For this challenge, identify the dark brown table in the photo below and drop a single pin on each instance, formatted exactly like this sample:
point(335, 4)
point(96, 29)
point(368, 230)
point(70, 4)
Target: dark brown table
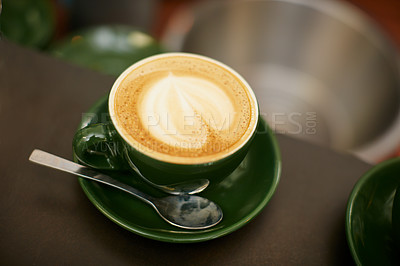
point(45, 218)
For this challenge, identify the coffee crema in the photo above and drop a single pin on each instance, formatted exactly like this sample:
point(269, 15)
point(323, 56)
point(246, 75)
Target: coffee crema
point(183, 108)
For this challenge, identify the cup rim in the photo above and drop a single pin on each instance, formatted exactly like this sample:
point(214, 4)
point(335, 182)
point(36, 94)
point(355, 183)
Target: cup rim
point(169, 158)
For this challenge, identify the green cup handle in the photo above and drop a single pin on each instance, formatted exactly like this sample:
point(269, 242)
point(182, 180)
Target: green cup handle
point(99, 146)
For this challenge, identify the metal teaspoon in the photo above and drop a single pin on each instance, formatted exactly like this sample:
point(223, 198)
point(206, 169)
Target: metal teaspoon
point(184, 211)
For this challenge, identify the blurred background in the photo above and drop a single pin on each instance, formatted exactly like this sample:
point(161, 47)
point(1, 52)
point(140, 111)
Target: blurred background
point(323, 71)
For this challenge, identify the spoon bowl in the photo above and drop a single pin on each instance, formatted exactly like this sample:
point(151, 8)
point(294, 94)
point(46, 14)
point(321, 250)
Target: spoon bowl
point(184, 211)
point(188, 211)
point(190, 187)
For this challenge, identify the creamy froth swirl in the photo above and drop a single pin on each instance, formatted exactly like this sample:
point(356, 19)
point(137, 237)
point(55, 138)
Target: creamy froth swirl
point(183, 109)
point(178, 110)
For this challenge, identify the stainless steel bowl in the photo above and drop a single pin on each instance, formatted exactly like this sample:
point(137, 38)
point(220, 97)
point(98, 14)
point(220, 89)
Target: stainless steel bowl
point(321, 70)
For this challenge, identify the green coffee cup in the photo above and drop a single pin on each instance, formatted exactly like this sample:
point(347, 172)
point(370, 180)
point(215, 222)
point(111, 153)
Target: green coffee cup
point(208, 142)
point(396, 217)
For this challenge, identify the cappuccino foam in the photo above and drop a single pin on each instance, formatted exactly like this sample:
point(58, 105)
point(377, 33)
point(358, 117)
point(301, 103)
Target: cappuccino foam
point(184, 109)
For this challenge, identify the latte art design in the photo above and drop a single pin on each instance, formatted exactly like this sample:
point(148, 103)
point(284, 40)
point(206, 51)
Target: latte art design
point(183, 109)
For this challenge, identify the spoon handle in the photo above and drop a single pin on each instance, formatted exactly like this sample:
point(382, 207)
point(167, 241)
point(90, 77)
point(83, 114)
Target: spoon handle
point(53, 161)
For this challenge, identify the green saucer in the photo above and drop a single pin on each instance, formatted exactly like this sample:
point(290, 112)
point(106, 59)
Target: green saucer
point(369, 216)
point(242, 195)
point(109, 49)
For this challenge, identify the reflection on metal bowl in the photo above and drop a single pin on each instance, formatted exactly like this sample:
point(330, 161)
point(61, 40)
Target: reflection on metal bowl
point(321, 70)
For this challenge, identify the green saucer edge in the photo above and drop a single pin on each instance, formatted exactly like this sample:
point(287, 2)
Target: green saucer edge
point(194, 238)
